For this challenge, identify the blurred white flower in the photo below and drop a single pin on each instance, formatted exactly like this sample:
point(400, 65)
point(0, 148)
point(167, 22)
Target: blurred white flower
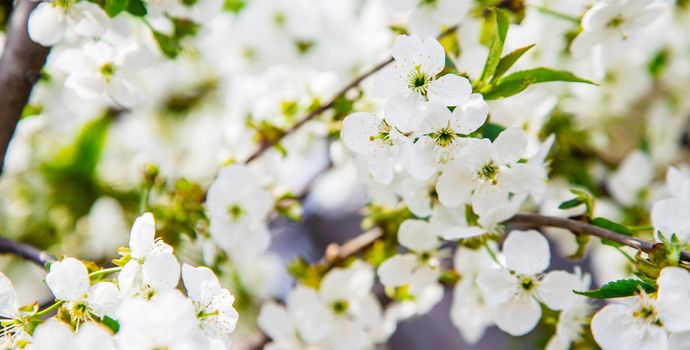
point(51, 21)
point(238, 208)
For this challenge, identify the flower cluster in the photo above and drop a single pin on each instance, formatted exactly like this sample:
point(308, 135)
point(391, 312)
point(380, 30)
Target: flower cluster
point(140, 309)
point(491, 130)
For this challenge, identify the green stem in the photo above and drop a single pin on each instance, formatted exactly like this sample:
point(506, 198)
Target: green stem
point(491, 253)
point(556, 14)
point(105, 271)
point(49, 309)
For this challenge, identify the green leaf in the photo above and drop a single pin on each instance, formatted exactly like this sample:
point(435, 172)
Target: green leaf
point(114, 7)
point(619, 289)
point(136, 8)
point(491, 131)
point(80, 158)
point(572, 203)
point(658, 63)
point(610, 225)
point(497, 28)
point(171, 45)
point(111, 323)
point(519, 81)
point(509, 60)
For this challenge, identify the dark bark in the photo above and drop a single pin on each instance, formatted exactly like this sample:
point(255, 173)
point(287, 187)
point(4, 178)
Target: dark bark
point(20, 69)
point(25, 251)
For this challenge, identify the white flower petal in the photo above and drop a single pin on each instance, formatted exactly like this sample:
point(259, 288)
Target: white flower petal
point(358, 128)
point(454, 186)
point(275, 321)
point(673, 299)
point(407, 50)
point(450, 90)
point(161, 272)
point(498, 285)
point(614, 328)
point(510, 145)
point(8, 298)
point(103, 298)
point(68, 279)
point(433, 57)
point(556, 289)
point(518, 316)
point(472, 114)
point(197, 280)
point(417, 236)
point(47, 24)
point(526, 252)
point(142, 236)
point(314, 321)
point(397, 270)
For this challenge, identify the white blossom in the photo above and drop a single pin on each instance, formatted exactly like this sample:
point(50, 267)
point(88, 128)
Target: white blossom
point(418, 268)
point(516, 291)
point(413, 79)
point(51, 21)
point(238, 207)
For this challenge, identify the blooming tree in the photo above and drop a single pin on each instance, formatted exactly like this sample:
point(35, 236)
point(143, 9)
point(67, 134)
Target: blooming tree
point(526, 159)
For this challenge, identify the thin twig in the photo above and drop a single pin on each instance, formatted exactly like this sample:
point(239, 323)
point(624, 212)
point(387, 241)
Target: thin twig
point(20, 69)
point(580, 227)
point(328, 105)
point(25, 251)
point(336, 253)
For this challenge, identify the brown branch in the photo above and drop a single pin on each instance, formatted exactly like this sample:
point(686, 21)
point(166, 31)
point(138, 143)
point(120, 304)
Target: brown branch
point(322, 108)
point(580, 227)
point(20, 69)
point(336, 253)
point(25, 251)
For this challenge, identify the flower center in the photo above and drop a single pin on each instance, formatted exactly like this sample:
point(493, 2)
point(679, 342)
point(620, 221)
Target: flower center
point(279, 19)
point(78, 311)
point(444, 137)
point(429, 3)
point(615, 22)
point(527, 283)
point(384, 134)
point(303, 46)
point(489, 172)
point(340, 306)
point(65, 4)
point(236, 212)
point(107, 70)
point(648, 314)
point(418, 81)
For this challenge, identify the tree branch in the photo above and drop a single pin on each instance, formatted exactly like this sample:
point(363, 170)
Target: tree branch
point(580, 227)
point(328, 105)
point(25, 251)
point(20, 69)
point(336, 253)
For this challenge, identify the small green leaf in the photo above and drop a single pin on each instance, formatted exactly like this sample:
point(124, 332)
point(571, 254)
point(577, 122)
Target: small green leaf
point(491, 131)
point(171, 45)
point(114, 7)
point(519, 81)
point(572, 203)
point(136, 8)
point(111, 323)
point(619, 289)
point(497, 28)
point(610, 225)
point(509, 60)
point(658, 63)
